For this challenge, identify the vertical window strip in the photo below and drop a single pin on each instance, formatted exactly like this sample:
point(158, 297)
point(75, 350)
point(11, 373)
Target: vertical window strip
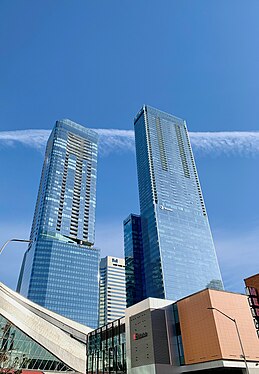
point(82, 149)
point(196, 175)
point(62, 194)
point(161, 144)
point(182, 151)
point(153, 181)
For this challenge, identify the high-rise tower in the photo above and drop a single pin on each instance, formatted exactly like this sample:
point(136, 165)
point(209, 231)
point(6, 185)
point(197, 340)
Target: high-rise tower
point(112, 289)
point(60, 268)
point(178, 249)
point(134, 266)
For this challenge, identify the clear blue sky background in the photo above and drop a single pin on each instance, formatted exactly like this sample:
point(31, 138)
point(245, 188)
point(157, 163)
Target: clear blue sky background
point(97, 62)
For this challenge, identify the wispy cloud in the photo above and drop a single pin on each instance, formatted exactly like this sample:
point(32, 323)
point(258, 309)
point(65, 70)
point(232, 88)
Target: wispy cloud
point(234, 142)
point(32, 138)
point(113, 140)
point(110, 140)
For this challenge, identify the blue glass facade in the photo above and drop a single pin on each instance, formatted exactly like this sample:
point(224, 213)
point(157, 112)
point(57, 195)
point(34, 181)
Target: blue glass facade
point(133, 251)
point(61, 267)
point(179, 253)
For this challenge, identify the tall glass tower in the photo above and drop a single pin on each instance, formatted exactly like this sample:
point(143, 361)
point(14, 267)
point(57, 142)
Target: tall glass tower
point(178, 249)
point(134, 266)
point(60, 268)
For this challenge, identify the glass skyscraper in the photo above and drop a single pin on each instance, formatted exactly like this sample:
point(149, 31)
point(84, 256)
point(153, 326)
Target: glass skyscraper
point(60, 268)
point(134, 266)
point(178, 249)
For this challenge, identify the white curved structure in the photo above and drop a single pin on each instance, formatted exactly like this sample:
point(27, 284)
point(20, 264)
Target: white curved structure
point(52, 333)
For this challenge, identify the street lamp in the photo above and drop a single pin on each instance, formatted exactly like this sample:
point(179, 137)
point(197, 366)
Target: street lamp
point(238, 334)
point(14, 240)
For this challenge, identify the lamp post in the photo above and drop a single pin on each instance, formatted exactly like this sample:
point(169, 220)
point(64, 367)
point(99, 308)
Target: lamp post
point(14, 240)
point(238, 334)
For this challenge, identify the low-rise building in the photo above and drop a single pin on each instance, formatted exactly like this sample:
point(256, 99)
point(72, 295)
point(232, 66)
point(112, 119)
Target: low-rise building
point(198, 333)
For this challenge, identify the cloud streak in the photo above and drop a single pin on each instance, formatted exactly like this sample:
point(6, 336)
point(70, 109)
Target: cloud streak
point(113, 140)
point(234, 142)
point(32, 138)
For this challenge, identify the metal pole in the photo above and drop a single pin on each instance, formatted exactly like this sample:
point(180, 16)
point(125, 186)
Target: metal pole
point(14, 240)
point(238, 334)
point(241, 345)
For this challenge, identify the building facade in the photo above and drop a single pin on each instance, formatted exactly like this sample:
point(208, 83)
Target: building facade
point(134, 261)
point(106, 349)
point(163, 337)
point(61, 266)
point(252, 290)
point(112, 302)
point(178, 249)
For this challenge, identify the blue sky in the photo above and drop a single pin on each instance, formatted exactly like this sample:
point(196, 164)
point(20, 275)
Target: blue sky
point(97, 62)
